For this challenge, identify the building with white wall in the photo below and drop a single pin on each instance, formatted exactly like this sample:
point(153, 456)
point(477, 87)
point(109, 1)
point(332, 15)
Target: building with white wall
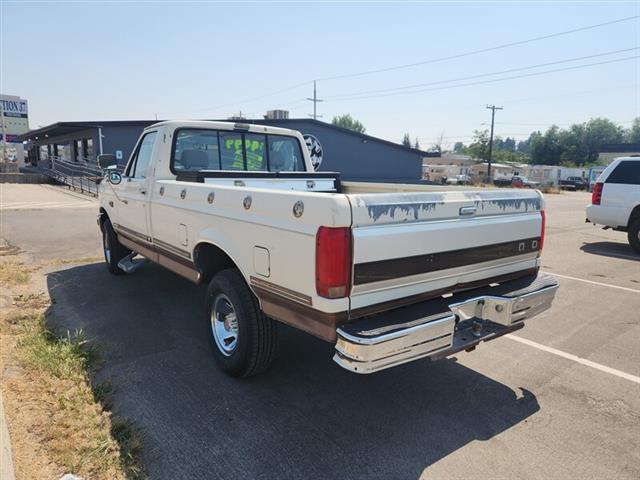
point(14, 121)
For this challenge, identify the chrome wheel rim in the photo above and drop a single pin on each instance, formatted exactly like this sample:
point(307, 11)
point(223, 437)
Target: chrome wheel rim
point(106, 246)
point(224, 325)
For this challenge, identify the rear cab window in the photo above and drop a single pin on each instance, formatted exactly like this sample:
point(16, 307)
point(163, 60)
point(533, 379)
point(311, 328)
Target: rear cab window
point(222, 150)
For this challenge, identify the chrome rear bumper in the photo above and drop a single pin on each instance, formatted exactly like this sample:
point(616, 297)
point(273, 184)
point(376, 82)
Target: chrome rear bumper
point(441, 327)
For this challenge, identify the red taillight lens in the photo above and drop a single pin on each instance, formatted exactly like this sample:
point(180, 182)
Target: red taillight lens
point(596, 194)
point(333, 262)
point(542, 228)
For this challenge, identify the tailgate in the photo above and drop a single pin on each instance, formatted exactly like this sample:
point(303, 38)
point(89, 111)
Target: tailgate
point(412, 244)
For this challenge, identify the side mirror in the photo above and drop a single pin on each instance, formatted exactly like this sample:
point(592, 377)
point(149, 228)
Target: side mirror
point(106, 160)
point(114, 177)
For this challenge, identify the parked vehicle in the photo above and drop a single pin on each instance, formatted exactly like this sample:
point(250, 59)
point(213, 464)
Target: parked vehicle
point(361, 265)
point(459, 180)
point(517, 181)
point(574, 183)
point(615, 199)
point(523, 182)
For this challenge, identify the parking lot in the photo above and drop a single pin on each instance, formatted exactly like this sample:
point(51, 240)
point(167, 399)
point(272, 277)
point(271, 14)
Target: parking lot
point(559, 399)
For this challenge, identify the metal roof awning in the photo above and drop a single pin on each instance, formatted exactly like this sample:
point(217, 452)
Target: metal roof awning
point(55, 130)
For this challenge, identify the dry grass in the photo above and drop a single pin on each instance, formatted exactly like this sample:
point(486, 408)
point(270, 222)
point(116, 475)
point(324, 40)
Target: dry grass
point(58, 416)
point(14, 273)
point(550, 189)
point(69, 261)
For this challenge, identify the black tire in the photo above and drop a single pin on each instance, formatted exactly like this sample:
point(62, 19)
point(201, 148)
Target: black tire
point(633, 234)
point(256, 335)
point(113, 250)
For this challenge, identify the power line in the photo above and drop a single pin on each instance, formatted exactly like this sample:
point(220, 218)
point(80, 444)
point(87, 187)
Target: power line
point(575, 67)
point(482, 50)
point(397, 67)
point(218, 107)
point(500, 72)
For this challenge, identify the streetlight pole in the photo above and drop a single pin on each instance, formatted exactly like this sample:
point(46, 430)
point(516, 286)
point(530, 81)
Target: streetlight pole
point(493, 109)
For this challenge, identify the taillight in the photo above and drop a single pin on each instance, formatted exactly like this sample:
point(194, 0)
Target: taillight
point(333, 262)
point(542, 228)
point(596, 194)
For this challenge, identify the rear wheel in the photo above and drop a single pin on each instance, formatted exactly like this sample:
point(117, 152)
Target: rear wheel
point(243, 339)
point(113, 250)
point(633, 234)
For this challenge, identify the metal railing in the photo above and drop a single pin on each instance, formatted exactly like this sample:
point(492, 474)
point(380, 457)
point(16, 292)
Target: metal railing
point(83, 175)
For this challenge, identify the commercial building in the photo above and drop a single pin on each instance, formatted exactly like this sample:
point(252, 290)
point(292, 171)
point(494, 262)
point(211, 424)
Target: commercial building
point(358, 157)
point(14, 121)
point(608, 153)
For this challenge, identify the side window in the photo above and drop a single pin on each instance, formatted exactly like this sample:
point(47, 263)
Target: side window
point(139, 163)
point(627, 172)
point(231, 151)
point(285, 154)
point(196, 150)
point(256, 151)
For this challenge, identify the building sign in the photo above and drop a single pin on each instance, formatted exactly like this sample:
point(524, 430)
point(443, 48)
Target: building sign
point(315, 150)
point(14, 107)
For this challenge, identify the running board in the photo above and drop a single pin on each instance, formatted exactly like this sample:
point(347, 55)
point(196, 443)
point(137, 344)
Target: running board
point(129, 265)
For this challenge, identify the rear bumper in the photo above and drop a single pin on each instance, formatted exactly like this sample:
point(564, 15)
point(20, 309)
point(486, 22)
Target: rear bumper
point(441, 327)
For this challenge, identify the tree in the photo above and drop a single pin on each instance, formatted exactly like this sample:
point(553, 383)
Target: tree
point(458, 147)
point(437, 145)
point(546, 148)
point(416, 145)
point(346, 121)
point(632, 135)
point(406, 140)
point(479, 148)
point(509, 144)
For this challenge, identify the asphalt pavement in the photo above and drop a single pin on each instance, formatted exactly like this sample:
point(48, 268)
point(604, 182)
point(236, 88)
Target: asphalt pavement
point(561, 400)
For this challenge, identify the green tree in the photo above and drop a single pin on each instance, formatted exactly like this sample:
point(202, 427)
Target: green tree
point(458, 147)
point(406, 140)
point(509, 144)
point(479, 147)
point(632, 135)
point(416, 145)
point(546, 148)
point(346, 121)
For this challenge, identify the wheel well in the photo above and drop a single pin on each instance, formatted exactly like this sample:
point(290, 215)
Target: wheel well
point(635, 213)
point(210, 259)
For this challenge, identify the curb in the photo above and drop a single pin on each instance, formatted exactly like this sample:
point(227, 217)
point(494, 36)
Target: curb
point(6, 463)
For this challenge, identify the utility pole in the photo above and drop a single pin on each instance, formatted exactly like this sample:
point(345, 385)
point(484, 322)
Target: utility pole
point(315, 101)
point(4, 133)
point(493, 109)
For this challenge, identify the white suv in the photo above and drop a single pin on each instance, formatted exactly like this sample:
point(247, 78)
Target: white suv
point(615, 201)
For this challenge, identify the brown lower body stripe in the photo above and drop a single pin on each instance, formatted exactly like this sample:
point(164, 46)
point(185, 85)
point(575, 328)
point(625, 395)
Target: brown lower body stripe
point(178, 264)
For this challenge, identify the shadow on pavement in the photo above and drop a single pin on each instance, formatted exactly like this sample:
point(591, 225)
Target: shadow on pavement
point(611, 249)
point(305, 418)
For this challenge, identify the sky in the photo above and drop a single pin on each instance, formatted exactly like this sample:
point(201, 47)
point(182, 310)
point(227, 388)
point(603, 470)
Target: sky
point(81, 61)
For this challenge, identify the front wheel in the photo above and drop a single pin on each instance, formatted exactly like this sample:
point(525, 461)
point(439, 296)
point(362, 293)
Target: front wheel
point(633, 234)
point(243, 339)
point(113, 250)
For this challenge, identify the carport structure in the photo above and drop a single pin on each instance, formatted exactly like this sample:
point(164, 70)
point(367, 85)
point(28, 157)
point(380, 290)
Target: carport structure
point(81, 142)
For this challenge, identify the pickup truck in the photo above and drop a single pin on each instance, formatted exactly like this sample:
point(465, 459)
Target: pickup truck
point(389, 273)
point(615, 199)
point(573, 183)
